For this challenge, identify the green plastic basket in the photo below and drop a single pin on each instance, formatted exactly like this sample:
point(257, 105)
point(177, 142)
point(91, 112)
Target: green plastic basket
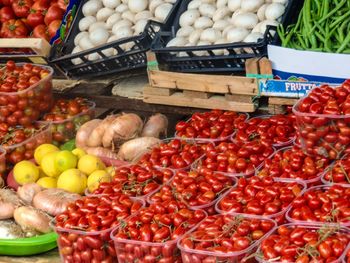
point(28, 246)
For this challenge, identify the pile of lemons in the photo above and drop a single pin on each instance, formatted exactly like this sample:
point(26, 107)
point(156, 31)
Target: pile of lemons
point(73, 171)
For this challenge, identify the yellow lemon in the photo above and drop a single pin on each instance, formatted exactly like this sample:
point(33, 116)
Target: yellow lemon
point(48, 165)
point(72, 180)
point(111, 170)
point(65, 160)
point(79, 152)
point(47, 182)
point(42, 150)
point(96, 178)
point(25, 172)
point(89, 163)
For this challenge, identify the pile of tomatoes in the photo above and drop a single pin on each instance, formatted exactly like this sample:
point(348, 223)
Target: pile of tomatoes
point(84, 228)
point(215, 124)
point(66, 117)
point(195, 189)
point(135, 180)
point(322, 204)
point(151, 235)
point(278, 130)
point(302, 243)
point(25, 93)
point(338, 172)
point(293, 163)
point(175, 154)
point(20, 142)
point(260, 196)
point(220, 234)
point(322, 121)
point(31, 18)
point(235, 158)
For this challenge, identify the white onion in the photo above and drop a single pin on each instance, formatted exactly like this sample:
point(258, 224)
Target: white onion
point(99, 36)
point(86, 22)
point(246, 20)
point(91, 7)
point(274, 11)
point(120, 24)
point(104, 13)
point(111, 3)
point(237, 34)
point(80, 36)
point(112, 20)
point(136, 6)
point(162, 11)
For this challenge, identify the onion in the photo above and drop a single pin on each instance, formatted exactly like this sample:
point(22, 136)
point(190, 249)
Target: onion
point(31, 219)
point(54, 201)
point(132, 149)
point(8, 203)
point(101, 152)
point(156, 125)
point(91, 7)
point(28, 191)
point(84, 132)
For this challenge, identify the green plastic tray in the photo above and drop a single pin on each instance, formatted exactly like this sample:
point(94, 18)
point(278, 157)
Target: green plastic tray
point(28, 246)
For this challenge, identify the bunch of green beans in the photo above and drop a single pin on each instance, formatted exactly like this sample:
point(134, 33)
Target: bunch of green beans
point(323, 25)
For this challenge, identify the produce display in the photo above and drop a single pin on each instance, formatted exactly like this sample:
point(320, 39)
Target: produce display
point(304, 243)
point(321, 204)
point(214, 125)
point(338, 172)
point(31, 18)
point(84, 229)
point(118, 136)
point(134, 180)
point(292, 163)
point(234, 158)
point(66, 117)
point(152, 233)
point(223, 22)
point(175, 154)
point(321, 26)
point(260, 196)
point(20, 143)
point(322, 122)
point(195, 189)
point(224, 238)
point(277, 129)
point(25, 93)
point(111, 20)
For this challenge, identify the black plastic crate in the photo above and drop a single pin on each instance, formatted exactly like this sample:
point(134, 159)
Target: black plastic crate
point(134, 58)
point(233, 61)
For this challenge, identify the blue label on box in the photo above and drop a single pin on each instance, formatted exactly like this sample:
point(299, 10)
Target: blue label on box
point(286, 88)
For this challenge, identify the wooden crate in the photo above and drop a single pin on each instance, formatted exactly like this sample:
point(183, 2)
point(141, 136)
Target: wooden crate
point(206, 91)
point(40, 49)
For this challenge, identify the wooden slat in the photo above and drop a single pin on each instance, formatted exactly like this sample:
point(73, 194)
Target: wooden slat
point(265, 67)
point(282, 101)
point(239, 98)
point(148, 90)
point(203, 82)
point(217, 101)
point(196, 94)
point(252, 66)
point(40, 46)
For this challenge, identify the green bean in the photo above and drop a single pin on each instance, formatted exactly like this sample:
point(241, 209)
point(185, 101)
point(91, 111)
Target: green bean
point(344, 44)
point(338, 6)
point(340, 19)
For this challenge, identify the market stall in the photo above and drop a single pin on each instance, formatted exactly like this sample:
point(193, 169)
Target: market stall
point(158, 131)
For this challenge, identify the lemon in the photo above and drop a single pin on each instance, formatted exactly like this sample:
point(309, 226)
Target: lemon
point(111, 170)
point(89, 163)
point(25, 172)
point(79, 152)
point(72, 180)
point(41, 173)
point(96, 178)
point(42, 150)
point(65, 160)
point(47, 182)
point(48, 165)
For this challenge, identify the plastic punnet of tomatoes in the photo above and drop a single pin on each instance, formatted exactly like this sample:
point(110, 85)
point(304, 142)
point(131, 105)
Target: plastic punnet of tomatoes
point(234, 158)
point(152, 234)
point(211, 126)
point(20, 143)
point(224, 238)
point(25, 93)
point(267, 196)
point(338, 172)
point(175, 154)
point(196, 190)
point(293, 164)
point(322, 204)
point(67, 116)
point(304, 243)
point(323, 121)
point(135, 180)
point(278, 130)
point(84, 228)
point(346, 258)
